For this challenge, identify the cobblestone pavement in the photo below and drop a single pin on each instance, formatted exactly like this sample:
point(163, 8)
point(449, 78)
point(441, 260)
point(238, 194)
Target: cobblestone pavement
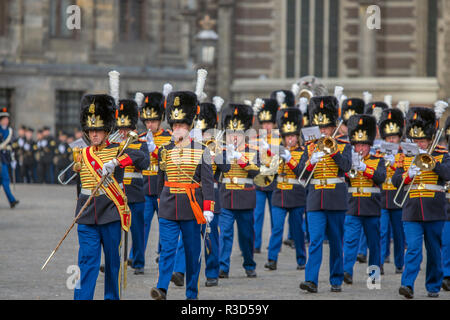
point(31, 231)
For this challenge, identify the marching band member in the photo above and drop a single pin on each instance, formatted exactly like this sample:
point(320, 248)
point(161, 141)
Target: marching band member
point(326, 200)
point(288, 196)
point(237, 191)
point(349, 107)
point(127, 116)
point(424, 210)
point(186, 194)
point(364, 205)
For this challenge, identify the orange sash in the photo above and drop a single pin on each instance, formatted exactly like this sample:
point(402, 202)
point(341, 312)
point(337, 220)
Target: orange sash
point(190, 191)
point(112, 190)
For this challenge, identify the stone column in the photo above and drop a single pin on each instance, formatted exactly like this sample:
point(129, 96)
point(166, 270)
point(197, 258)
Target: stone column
point(367, 43)
point(225, 48)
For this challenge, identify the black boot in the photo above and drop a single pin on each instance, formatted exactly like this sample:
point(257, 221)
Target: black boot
point(446, 284)
point(250, 273)
point(14, 203)
point(178, 279)
point(309, 286)
point(406, 291)
point(271, 265)
point(158, 294)
point(212, 282)
point(348, 279)
point(223, 274)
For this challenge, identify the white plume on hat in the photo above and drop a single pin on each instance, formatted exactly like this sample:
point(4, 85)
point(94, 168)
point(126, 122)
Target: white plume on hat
point(218, 103)
point(367, 97)
point(201, 79)
point(303, 105)
point(403, 106)
point(138, 98)
point(377, 113)
point(114, 80)
point(338, 92)
point(343, 98)
point(257, 105)
point(167, 89)
point(281, 96)
point(248, 102)
point(439, 108)
point(388, 100)
point(295, 89)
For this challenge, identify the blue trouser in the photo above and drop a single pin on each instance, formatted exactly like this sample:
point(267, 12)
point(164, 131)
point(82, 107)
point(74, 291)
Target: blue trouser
point(5, 183)
point(393, 218)
point(137, 251)
point(91, 238)
point(276, 238)
point(259, 212)
point(244, 220)
point(211, 252)
point(362, 247)
point(331, 224)
point(415, 234)
point(151, 206)
point(446, 249)
point(371, 228)
point(169, 232)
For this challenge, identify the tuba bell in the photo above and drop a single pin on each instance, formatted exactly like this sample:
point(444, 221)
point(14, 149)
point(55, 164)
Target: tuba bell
point(305, 93)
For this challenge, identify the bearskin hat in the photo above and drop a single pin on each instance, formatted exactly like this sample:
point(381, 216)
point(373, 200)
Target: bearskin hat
point(285, 98)
point(351, 107)
point(152, 106)
point(268, 111)
point(391, 123)
point(97, 112)
point(237, 117)
point(362, 128)
point(289, 121)
point(127, 114)
point(323, 111)
point(421, 123)
point(182, 107)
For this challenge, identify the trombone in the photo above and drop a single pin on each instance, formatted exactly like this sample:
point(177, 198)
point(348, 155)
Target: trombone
point(114, 138)
point(425, 162)
point(327, 145)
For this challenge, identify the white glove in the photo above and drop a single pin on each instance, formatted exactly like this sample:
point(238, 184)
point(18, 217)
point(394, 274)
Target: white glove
point(27, 147)
point(13, 165)
point(232, 153)
point(209, 216)
point(108, 167)
point(390, 158)
point(413, 171)
point(264, 144)
point(44, 143)
point(286, 155)
point(150, 142)
point(355, 158)
point(361, 166)
point(316, 156)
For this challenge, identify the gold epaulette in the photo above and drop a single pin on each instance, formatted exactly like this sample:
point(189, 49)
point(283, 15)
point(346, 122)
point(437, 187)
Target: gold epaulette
point(441, 149)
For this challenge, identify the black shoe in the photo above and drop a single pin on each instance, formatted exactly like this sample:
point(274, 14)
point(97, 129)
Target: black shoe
point(387, 260)
point(348, 279)
point(139, 271)
point(406, 291)
point(257, 250)
point(335, 288)
point(178, 279)
point(361, 258)
point(250, 273)
point(157, 259)
point(308, 286)
point(271, 265)
point(398, 270)
point(14, 203)
point(212, 282)
point(289, 243)
point(130, 262)
point(223, 274)
point(433, 294)
point(382, 270)
point(446, 284)
point(301, 266)
point(158, 294)
point(102, 268)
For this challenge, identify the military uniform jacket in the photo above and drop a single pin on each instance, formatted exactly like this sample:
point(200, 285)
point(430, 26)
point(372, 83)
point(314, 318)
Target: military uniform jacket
point(423, 203)
point(47, 149)
point(447, 196)
point(237, 191)
point(6, 137)
point(102, 210)
point(29, 152)
point(133, 183)
point(150, 174)
point(275, 142)
point(289, 193)
point(62, 155)
point(219, 166)
point(363, 202)
point(184, 166)
point(388, 189)
point(324, 196)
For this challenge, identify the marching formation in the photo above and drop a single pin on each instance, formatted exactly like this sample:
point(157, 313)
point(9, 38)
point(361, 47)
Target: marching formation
point(350, 172)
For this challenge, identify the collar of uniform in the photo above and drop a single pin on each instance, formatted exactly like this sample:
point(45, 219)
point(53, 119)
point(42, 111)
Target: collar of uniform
point(102, 146)
point(159, 132)
point(183, 144)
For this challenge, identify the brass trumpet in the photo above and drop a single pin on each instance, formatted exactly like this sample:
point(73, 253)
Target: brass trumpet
point(353, 172)
point(425, 162)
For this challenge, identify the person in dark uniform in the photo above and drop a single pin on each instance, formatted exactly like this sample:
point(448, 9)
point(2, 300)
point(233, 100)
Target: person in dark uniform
point(327, 194)
point(152, 114)
point(289, 195)
point(266, 115)
point(237, 191)
point(349, 107)
point(63, 153)
point(186, 194)
point(391, 128)
point(6, 137)
point(207, 121)
point(424, 210)
point(365, 200)
point(446, 231)
point(108, 212)
point(46, 167)
point(29, 161)
point(127, 117)
point(17, 149)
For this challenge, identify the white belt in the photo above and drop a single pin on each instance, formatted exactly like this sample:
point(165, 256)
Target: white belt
point(100, 191)
point(363, 190)
point(133, 175)
point(236, 180)
point(328, 181)
point(287, 180)
point(426, 187)
point(216, 185)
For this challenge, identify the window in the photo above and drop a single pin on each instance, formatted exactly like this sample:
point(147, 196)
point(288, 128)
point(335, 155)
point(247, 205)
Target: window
point(312, 38)
point(3, 18)
point(58, 19)
point(68, 110)
point(132, 22)
point(432, 38)
point(6, 95)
